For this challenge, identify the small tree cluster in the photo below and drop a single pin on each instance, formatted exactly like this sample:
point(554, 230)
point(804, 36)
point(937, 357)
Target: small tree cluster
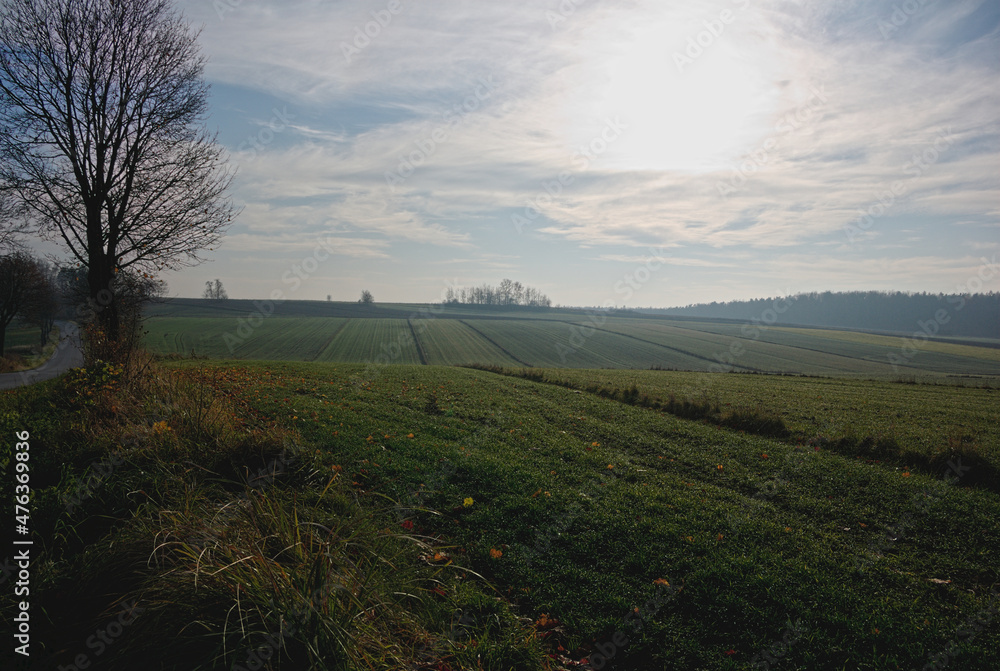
point(214, 291)
point(28, 292)
point(507, 293)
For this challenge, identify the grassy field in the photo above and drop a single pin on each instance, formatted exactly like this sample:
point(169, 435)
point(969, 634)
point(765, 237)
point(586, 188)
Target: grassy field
point(448, 335)
point(22, 350)
point(21, 337)
point(604, 534)
point(584, 509)
point(876, 420)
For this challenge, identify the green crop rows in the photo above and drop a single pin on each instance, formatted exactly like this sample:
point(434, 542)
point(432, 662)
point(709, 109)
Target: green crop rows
point(458, 336)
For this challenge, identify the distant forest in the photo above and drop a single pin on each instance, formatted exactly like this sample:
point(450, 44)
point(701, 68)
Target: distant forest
point(975, 315)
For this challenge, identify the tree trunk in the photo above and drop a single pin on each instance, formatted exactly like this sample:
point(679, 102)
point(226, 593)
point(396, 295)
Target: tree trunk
point(46, 329)
point(104, 301)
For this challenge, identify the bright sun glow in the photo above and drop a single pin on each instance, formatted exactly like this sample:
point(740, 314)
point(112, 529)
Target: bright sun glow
point(699, 119)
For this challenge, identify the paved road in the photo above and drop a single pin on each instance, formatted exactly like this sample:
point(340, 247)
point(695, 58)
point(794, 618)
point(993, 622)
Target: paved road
point(68, 354)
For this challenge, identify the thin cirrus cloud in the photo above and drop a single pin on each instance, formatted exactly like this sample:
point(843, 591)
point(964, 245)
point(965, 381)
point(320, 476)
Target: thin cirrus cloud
point(611, 128)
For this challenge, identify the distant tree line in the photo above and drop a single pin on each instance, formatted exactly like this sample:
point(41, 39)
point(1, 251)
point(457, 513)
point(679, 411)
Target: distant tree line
point(507, 293)
point(970, 315)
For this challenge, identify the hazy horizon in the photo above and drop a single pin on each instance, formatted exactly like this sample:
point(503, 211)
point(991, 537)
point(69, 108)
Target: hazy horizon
point(603, 152)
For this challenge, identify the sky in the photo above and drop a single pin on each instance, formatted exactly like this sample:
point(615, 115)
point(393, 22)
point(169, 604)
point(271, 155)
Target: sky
point(629, 152)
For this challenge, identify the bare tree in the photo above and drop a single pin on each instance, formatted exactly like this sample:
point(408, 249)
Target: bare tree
point(215, 291)
point(44, 301)
point(22, 285)
point(13, 223)
point(367, 298)
point(102, 109)
point(505, 292)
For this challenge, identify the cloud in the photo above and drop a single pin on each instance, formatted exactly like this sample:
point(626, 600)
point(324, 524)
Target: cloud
point(792, 125)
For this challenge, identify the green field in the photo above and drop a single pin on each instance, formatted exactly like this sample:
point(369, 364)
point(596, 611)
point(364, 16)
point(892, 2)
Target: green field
point(922, 420)
point(440, 335)
point(580, 491)
point(450, 342)
point(21, 338)
point(591, 501)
